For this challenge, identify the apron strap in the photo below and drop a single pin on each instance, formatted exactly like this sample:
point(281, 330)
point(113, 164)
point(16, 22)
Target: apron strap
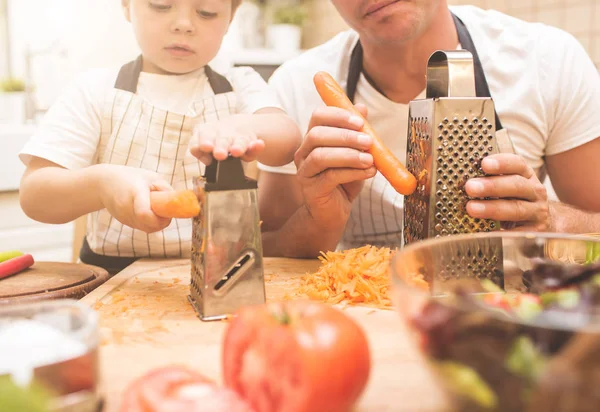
point(464, 37)
point(481, 85)
point(356, 68)
point(218, 82)
point(129, 76)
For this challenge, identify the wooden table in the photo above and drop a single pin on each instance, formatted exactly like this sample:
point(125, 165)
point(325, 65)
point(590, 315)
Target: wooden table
point(147, 322)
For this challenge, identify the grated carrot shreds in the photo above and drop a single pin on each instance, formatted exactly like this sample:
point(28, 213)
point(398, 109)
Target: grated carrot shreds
point(354, 276)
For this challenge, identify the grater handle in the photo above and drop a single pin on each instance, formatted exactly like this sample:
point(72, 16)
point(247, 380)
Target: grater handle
point(450, 73)
point(227, 174)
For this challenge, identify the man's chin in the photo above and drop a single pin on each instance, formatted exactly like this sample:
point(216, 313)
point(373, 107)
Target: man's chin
point(397, 28)
point(397, 35)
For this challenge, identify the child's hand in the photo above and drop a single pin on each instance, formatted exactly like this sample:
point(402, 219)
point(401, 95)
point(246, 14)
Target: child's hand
point(125, 193)
point(220, 139)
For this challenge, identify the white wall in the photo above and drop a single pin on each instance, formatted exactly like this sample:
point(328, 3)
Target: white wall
point(3, 46)
point(81, 34)
point(85, 34)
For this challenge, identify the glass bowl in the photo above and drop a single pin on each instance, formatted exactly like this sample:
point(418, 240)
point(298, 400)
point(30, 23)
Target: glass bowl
point(50, 349)
point(507, 321)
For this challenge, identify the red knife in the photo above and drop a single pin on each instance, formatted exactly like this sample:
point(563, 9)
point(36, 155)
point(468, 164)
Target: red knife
point(15, 265)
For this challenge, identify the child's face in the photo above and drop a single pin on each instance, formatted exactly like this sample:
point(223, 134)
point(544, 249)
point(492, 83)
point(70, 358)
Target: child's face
point(178, 36)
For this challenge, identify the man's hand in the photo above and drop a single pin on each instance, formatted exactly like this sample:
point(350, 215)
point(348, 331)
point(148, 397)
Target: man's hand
point(332, 165)
point(518, 195)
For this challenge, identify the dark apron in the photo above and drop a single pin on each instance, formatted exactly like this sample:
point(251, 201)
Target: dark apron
point(127, 80)
point(466, 42)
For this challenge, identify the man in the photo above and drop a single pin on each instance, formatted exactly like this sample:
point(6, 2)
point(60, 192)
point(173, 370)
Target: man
point(547, 95)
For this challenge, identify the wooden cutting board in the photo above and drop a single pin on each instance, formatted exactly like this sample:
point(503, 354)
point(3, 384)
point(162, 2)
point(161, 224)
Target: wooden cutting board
point(51, 280)
point(147, 322)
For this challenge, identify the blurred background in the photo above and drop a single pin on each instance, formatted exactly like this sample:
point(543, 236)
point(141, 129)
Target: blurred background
point(44, 43)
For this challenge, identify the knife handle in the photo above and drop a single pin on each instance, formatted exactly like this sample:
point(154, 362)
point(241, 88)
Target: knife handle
point(15, 265)
point(4, 256)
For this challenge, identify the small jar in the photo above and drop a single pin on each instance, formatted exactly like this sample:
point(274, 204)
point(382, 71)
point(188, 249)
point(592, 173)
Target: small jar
point(54, 345)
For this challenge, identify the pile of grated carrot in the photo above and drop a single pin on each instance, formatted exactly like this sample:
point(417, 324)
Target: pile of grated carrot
point(354, 276)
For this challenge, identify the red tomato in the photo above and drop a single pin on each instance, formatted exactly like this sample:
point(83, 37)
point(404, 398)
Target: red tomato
point(296, 357)
point(177, 389)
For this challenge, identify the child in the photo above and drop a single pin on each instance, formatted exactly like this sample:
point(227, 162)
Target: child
point(117, 135)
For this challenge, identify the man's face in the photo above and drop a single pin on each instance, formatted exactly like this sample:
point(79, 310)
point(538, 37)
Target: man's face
point(388, 21)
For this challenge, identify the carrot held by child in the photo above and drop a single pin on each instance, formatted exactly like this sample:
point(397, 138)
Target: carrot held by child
point(390, 167)
point(173, 204)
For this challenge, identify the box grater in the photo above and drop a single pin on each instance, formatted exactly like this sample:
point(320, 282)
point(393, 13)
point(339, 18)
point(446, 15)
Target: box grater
point(227, 261)
point(449, 133)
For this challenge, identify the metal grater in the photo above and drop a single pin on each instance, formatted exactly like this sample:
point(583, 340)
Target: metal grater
point(449, 133)
point(227, 259)
point(479, 259)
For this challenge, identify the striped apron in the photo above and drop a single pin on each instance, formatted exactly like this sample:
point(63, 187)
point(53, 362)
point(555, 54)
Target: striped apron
point(143, 136)
point(377, 213)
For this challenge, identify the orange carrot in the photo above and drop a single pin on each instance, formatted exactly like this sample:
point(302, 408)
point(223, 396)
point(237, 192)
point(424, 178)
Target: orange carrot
point(360, 276)
point(175, 204)
point(391, 168)
point(355, 276)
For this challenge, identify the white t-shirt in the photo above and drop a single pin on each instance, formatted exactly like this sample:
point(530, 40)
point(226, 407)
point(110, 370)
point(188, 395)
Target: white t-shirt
point(545, 88)
point(69, 133)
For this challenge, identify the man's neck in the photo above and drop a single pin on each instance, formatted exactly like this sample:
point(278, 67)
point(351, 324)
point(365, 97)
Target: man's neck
point(399, 70)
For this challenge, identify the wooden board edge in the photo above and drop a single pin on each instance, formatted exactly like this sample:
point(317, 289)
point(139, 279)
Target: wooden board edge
point(137, 268)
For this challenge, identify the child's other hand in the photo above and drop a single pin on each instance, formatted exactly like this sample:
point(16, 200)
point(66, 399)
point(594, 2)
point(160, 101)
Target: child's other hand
point(125, 193)
point(220, 139)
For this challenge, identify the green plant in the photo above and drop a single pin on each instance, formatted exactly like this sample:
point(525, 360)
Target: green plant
point(290, 14)
point(12, 85)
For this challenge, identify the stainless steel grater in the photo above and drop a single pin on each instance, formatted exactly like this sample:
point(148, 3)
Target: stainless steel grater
point(227, 259)
point(449, 133)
